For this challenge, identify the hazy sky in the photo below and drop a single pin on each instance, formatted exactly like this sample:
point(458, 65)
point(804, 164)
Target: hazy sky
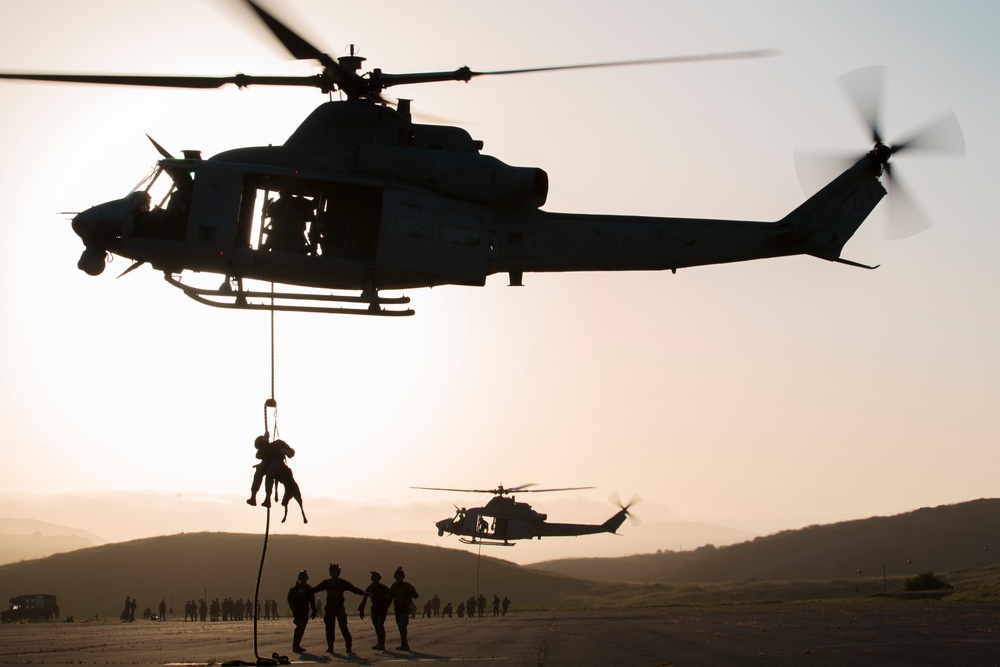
point(760, 396)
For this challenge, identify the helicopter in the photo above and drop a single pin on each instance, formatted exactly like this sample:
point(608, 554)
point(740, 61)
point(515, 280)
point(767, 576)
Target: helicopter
point(360, 199)
point(503, 518)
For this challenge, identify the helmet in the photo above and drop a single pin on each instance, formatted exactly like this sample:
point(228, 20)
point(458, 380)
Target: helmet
point(376, 576)
point(334, 569)
point(303, 575)
point(398, 574)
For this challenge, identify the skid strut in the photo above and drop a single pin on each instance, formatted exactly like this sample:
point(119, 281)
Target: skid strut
point(241, 300)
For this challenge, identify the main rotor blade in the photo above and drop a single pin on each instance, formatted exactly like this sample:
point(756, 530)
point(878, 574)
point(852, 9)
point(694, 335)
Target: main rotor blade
point(568, 488)
point(167, 81)
point(292, 41)
point(731, 55)
point(436, 488)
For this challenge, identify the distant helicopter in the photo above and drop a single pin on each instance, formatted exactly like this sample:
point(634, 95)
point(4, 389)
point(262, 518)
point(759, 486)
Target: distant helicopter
point(361, 199)
point(503, 519)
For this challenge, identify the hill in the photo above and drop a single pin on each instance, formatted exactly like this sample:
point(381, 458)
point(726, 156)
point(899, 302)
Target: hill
point(835, 561)
point(178, 568)
point(25, 539)
point(947, 537)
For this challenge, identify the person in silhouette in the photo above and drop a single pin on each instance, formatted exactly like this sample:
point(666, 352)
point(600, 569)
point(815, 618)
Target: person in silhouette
point(131, 611)
point(335, 588)
point(495, 607)
point(481, 604)
point(128, 608)
point(381, 599)
point(302, 602)
point(271, 460)
point(403, 594)
point(163, 610)
point(290, 214)
point(273, 469)
point(504, 605)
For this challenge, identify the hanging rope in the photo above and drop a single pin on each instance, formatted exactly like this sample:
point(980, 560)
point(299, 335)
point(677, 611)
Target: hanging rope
point(270, 403)
point(256, 593)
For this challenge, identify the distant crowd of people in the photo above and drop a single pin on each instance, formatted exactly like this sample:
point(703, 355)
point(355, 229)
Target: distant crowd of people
point(304, 605)
point(467, 608)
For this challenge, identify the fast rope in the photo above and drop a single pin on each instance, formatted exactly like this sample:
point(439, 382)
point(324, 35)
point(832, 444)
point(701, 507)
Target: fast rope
point(272, 404)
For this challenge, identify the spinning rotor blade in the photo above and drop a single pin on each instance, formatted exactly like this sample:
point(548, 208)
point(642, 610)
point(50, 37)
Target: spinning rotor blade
point(568, 488)
point(167, 81)
point(635, 500)
point(943, 135)
point(905, 216)
point(501, 490)
point(294, 43)
point(731, 55)
point(864, 89)
point(341, 73)
point(345, 79)
point(436, 488)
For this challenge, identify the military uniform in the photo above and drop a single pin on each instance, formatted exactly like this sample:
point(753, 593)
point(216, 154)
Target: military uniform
point(381, 600)
point(302, 601)
point(335, 615)
point(403, 594)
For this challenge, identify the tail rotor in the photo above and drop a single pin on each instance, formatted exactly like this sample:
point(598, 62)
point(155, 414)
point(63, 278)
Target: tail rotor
point(626, 507)
point(863, 88)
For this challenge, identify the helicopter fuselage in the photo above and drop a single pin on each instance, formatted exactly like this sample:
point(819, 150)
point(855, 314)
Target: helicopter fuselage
point(502, 519)
point(361, 198)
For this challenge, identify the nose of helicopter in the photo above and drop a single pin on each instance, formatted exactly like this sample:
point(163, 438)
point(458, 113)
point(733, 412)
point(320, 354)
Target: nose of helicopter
point(443, 525)
point(99, 227)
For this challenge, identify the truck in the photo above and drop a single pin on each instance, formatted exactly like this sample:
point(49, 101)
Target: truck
point(36, 607)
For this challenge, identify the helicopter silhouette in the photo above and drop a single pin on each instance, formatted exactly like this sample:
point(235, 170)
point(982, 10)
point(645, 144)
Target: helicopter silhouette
point(503, 518)
point(360, 199)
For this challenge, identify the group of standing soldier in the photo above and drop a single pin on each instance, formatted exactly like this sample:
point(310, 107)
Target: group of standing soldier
point(302, 600)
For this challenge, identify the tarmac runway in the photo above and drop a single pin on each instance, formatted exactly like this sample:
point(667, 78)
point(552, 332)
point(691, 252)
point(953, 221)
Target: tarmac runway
point(869, 633)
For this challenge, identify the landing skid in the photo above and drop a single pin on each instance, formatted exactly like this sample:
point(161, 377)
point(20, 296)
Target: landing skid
point(240, 300)
point(465, 540)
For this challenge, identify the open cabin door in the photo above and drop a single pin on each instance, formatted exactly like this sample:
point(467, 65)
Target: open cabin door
point(444, 239)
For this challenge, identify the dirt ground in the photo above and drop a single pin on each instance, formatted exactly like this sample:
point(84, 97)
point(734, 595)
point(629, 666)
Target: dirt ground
point(869, 633)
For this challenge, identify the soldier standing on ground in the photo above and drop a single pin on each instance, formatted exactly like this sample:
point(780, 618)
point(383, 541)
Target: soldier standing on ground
point(335, 588)
point(302, 602)
point(403, 594)
point(381, 599)
point(505, 604)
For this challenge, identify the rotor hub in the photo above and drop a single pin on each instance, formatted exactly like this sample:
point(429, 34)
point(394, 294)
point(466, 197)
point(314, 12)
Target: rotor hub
point(882, 153)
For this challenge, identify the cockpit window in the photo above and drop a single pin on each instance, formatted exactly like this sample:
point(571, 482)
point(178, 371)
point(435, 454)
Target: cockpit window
point(169, 191)
point(161, 184)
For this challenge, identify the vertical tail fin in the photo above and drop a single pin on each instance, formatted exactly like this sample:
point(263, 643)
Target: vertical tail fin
point(827, 220)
